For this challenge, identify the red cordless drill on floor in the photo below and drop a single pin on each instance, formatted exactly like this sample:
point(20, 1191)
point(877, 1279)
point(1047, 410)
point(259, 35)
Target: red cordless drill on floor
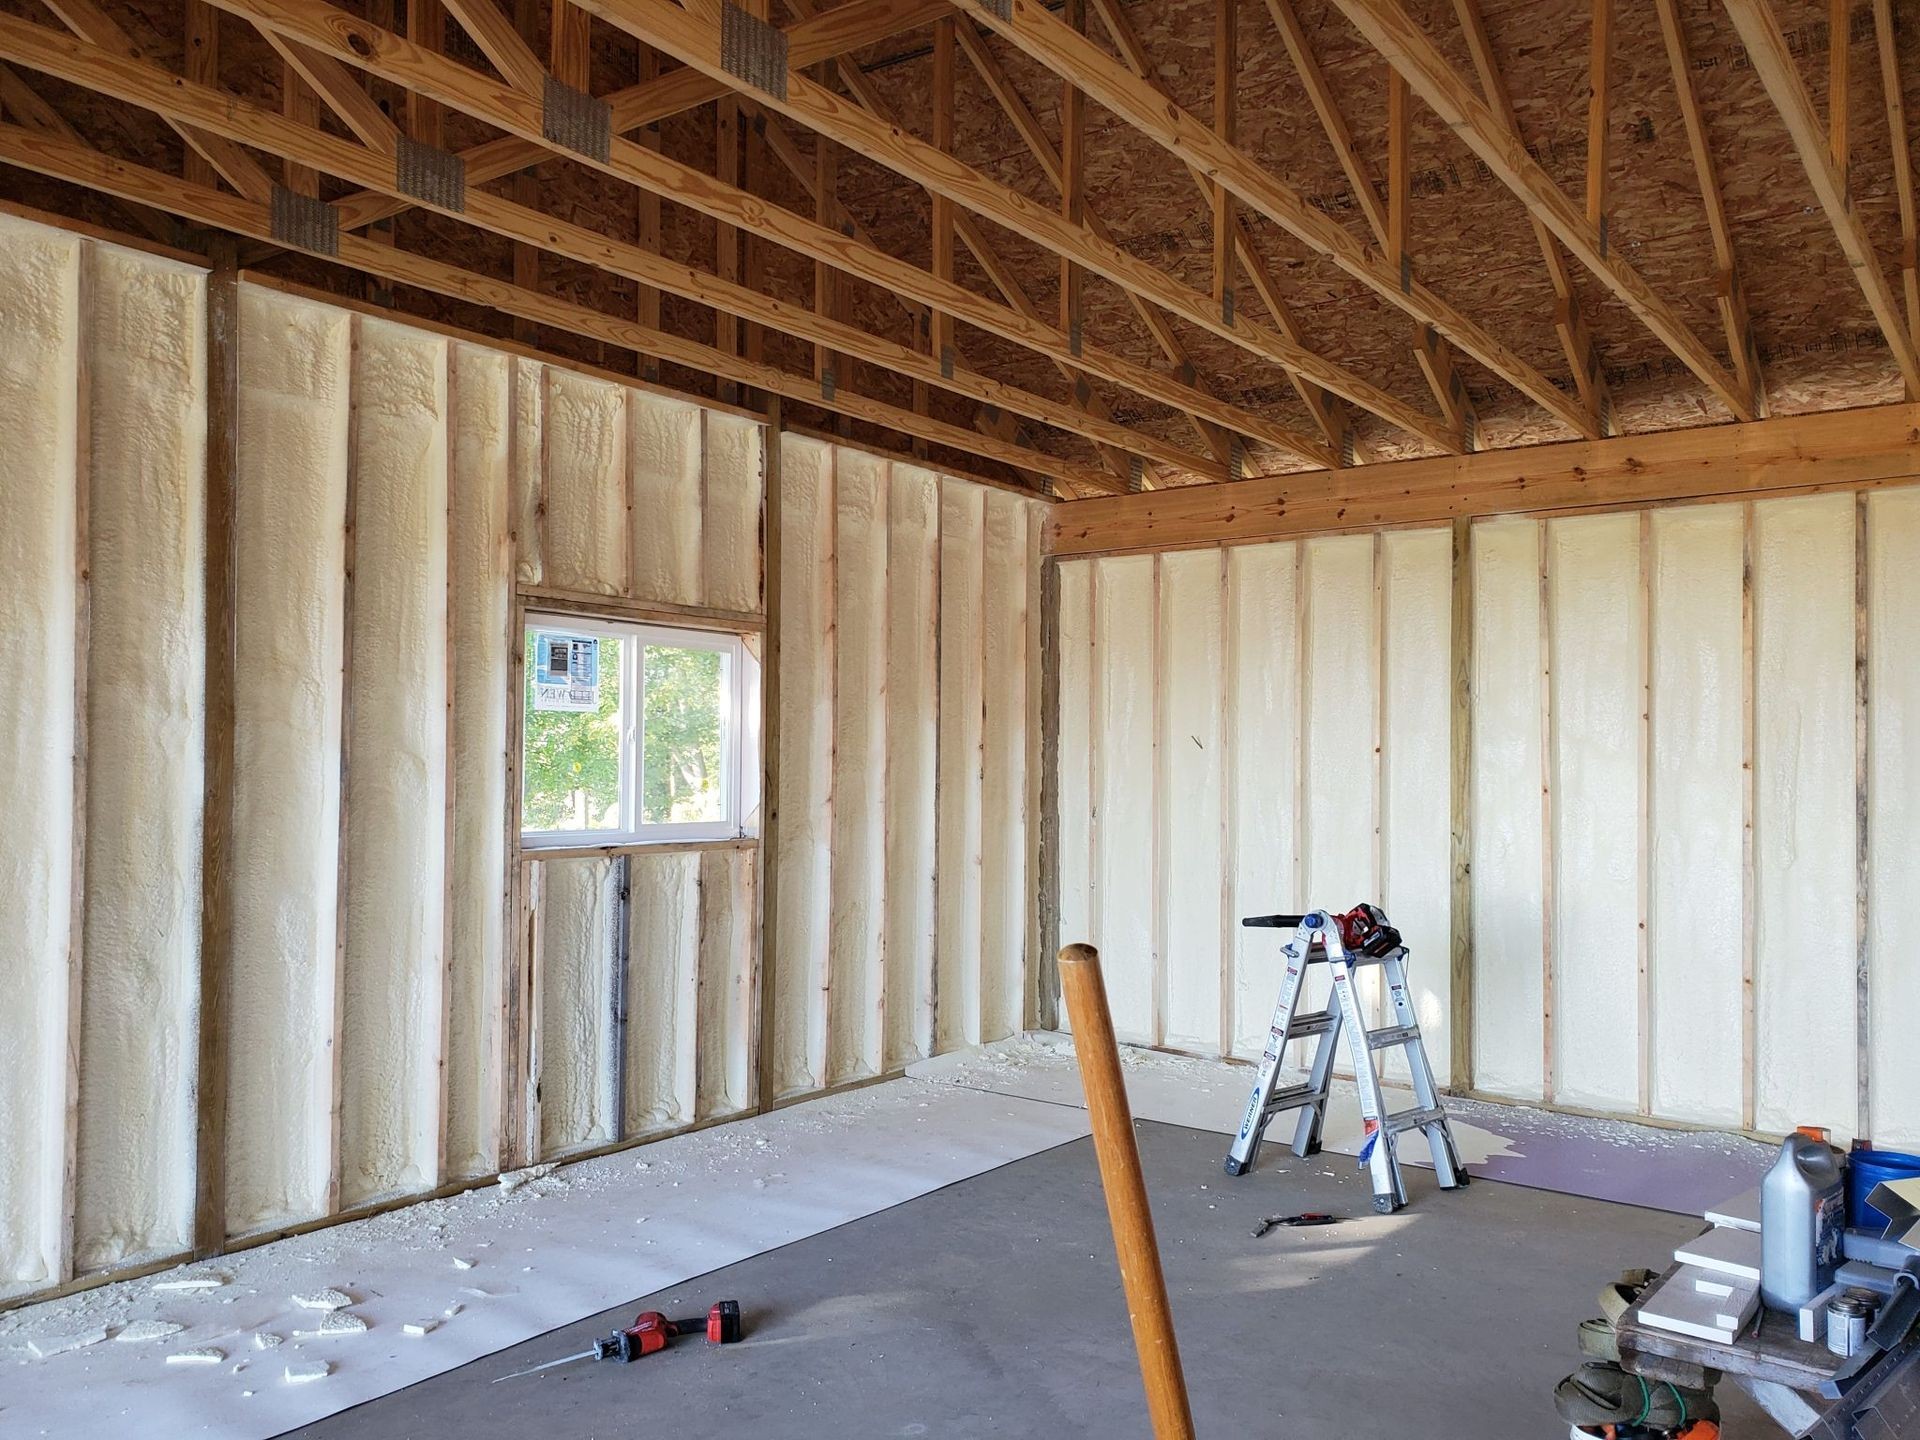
point(649, 1332)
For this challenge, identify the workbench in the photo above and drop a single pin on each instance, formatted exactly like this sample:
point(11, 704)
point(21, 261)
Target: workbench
point(1806, 1387)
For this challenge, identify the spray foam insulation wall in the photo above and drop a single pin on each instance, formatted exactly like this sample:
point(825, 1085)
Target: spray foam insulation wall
point(907, 624)
point(1697, 791)
point(644, 992)
point(1893, 567)
point(1221, 712)
point(1647, 685)
point(102, 625)
point(40, 427)
point(1664, 802)
point(373, 539)
point(479, 557)
point(623, 493)
point(383, 475)
point(146, 443)
point(290, 613)
point(396, 748)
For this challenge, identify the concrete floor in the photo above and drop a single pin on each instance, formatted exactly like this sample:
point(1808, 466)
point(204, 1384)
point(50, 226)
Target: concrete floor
point(993, 1308)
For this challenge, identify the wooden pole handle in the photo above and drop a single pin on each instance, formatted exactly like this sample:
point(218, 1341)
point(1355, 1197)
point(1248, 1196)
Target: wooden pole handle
point(1126, 1191)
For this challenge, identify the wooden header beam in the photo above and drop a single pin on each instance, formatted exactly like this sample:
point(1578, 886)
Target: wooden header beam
point(1833, 450)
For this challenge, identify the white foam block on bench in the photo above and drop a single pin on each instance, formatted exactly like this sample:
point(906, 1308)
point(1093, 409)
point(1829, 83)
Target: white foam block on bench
point(1679, 1306)
point(1726, 1251)
point(1813, 1314)
point(1742, 1212)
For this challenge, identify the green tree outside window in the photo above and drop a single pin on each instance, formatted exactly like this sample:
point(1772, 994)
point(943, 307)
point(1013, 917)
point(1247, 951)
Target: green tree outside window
point(680, 766)
point(571, 759)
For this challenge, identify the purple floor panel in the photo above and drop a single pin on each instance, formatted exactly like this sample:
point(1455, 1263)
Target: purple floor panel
point(1676, 1170)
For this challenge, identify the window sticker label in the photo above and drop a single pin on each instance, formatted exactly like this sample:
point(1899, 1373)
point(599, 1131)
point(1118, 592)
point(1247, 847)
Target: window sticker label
point(566, 673)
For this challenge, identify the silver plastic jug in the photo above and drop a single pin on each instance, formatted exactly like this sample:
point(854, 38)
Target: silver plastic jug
point(1803, 1216)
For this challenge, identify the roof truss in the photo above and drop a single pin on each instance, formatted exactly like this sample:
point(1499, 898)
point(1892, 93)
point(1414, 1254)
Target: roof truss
point(353, 103)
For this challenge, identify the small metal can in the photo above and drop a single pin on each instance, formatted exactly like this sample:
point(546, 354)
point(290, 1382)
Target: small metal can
point(1847, 1319)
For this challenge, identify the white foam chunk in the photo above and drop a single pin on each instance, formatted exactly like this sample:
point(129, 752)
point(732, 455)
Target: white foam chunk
point(141, 1331)
point(1740, 1212)
point(266, 1340)
point(420, 1327)
point(1725, 1251)
point(1813, 1315)
point(1678, 1306)
point(324, 1300)
point(191, 1284)
point(46, 1346)
point(206, 1355)
point(308, 1371)
point(334, 1322)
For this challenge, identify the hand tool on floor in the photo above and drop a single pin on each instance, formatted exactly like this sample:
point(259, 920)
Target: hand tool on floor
point(1307, 1217)
point(1342, 943)
point(649, 1332)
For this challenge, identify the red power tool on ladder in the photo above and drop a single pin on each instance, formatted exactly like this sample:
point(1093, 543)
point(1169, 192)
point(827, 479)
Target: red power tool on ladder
point(649, 1332)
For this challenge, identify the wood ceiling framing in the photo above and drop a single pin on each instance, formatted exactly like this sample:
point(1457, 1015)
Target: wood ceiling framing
point(1087, 247)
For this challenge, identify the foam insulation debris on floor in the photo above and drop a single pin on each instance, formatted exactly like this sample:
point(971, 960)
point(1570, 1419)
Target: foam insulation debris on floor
point(1678, 1170)
point(543, 1252)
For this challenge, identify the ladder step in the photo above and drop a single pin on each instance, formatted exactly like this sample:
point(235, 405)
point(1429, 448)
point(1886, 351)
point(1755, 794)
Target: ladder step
point(1292, 1097)
point(1317, 1023)
point(1414, 1119)
point(1393, 1035)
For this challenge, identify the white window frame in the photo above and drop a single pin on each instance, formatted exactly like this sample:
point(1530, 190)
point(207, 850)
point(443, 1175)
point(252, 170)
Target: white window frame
point(740, 733)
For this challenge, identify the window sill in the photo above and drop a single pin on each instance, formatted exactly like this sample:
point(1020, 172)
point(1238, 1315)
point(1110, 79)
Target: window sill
point(608, 848)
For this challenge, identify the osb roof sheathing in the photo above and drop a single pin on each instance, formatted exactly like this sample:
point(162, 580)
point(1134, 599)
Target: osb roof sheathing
point(1472, 242)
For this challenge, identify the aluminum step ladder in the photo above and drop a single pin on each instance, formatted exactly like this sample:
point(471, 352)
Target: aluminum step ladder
point(1343, 943)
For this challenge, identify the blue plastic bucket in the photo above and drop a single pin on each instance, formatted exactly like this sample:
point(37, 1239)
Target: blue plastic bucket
point(1866, 1169)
